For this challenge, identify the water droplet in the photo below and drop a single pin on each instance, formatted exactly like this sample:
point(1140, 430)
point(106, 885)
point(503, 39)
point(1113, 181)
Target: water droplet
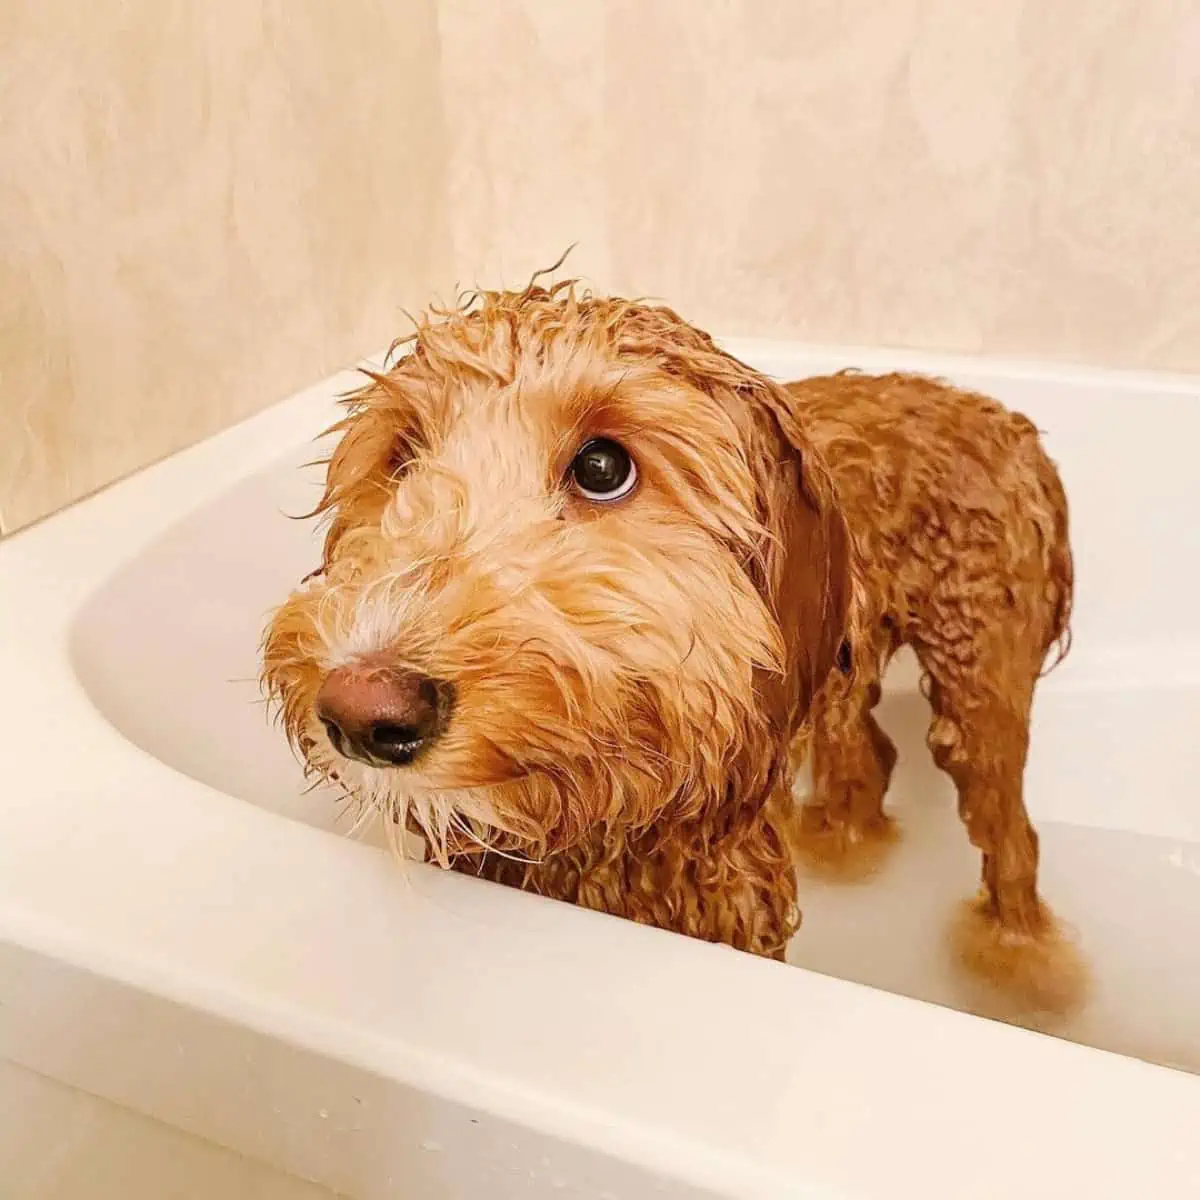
point(430, 1145)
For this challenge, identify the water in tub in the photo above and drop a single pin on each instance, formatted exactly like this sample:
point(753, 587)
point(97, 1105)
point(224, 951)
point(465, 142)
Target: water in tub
point(1111, 772)
point(1134, 898)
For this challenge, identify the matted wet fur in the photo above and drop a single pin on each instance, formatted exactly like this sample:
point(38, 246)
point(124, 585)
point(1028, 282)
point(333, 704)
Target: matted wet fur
point(622, 681)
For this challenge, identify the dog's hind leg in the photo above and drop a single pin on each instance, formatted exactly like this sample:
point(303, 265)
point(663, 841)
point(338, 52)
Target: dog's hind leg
point(843, 831)
point(980, 737)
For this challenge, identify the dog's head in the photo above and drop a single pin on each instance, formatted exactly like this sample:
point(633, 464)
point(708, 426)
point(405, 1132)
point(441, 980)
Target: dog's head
point(582, 569)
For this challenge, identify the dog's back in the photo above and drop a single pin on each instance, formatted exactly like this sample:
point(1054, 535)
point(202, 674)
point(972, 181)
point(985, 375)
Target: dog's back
point(943, 489)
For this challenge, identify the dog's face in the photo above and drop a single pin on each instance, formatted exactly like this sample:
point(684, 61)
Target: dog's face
point(580, 571)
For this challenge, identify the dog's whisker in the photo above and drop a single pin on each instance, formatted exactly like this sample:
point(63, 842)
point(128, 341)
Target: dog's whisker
point(362, 821)
point(469, 829)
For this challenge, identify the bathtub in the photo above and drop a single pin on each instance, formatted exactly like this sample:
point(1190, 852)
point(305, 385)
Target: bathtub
point(206, 989)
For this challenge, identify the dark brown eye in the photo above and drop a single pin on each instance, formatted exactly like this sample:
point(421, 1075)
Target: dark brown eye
point(603, 471)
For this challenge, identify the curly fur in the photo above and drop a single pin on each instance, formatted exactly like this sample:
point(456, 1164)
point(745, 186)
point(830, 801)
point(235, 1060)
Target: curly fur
point(961, 522)
point(631, 677)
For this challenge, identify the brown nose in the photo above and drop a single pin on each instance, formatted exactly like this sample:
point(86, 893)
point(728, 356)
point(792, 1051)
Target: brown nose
point(380, 715)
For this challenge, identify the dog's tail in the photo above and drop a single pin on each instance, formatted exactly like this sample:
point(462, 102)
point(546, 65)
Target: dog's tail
point(1060, 565)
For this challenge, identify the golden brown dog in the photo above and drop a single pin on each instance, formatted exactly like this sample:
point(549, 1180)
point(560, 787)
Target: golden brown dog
point(586, 576)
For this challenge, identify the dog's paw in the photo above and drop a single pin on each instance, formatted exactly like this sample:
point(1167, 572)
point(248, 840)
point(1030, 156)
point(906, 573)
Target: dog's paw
point(846, 852)
point(1039, 975)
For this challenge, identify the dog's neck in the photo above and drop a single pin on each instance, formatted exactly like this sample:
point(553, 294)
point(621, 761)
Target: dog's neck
point(715, 868)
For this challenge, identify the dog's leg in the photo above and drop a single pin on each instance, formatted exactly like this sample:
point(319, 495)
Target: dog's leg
point(843, 831)
point(980, 737)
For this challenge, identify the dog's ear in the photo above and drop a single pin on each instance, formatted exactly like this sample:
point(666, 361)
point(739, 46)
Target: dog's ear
point(805, 567)
point(375, 440)
point(808, 568)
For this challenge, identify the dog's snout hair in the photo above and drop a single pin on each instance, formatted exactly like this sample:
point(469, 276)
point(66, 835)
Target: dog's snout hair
point(627, 673)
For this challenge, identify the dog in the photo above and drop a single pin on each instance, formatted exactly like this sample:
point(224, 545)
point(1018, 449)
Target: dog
point(592, 588)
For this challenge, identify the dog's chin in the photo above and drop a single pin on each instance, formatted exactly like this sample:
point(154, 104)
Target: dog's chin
point(451, 817)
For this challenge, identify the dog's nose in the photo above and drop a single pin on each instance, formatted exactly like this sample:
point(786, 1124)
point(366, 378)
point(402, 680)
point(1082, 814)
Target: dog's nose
point(382, 715)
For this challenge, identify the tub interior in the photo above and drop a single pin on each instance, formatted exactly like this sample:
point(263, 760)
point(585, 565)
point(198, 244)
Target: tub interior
point(167, 651)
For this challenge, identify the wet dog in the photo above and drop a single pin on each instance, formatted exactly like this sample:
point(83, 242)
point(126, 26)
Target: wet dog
point(591, 587)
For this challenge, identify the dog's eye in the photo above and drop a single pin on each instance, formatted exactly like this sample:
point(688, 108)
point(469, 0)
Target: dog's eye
point(603, 470)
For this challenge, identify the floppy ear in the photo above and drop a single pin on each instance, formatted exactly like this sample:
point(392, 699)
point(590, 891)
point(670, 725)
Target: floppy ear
point(376, 438)
point(806, 571)
point(808, 568)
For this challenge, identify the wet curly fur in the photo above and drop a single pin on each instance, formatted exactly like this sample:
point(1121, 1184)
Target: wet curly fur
point(630, 677)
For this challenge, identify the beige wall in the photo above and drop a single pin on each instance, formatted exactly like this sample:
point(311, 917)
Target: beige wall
point(204, 203)
point(1011, 176)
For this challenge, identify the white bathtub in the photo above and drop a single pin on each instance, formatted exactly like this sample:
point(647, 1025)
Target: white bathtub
point(202, 985)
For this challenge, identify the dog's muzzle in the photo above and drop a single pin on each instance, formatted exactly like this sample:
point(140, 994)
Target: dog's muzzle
point(383, 716)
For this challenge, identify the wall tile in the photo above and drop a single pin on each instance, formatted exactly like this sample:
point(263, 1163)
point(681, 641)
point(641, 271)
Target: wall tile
point(202, 207)
point(1000, 177)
